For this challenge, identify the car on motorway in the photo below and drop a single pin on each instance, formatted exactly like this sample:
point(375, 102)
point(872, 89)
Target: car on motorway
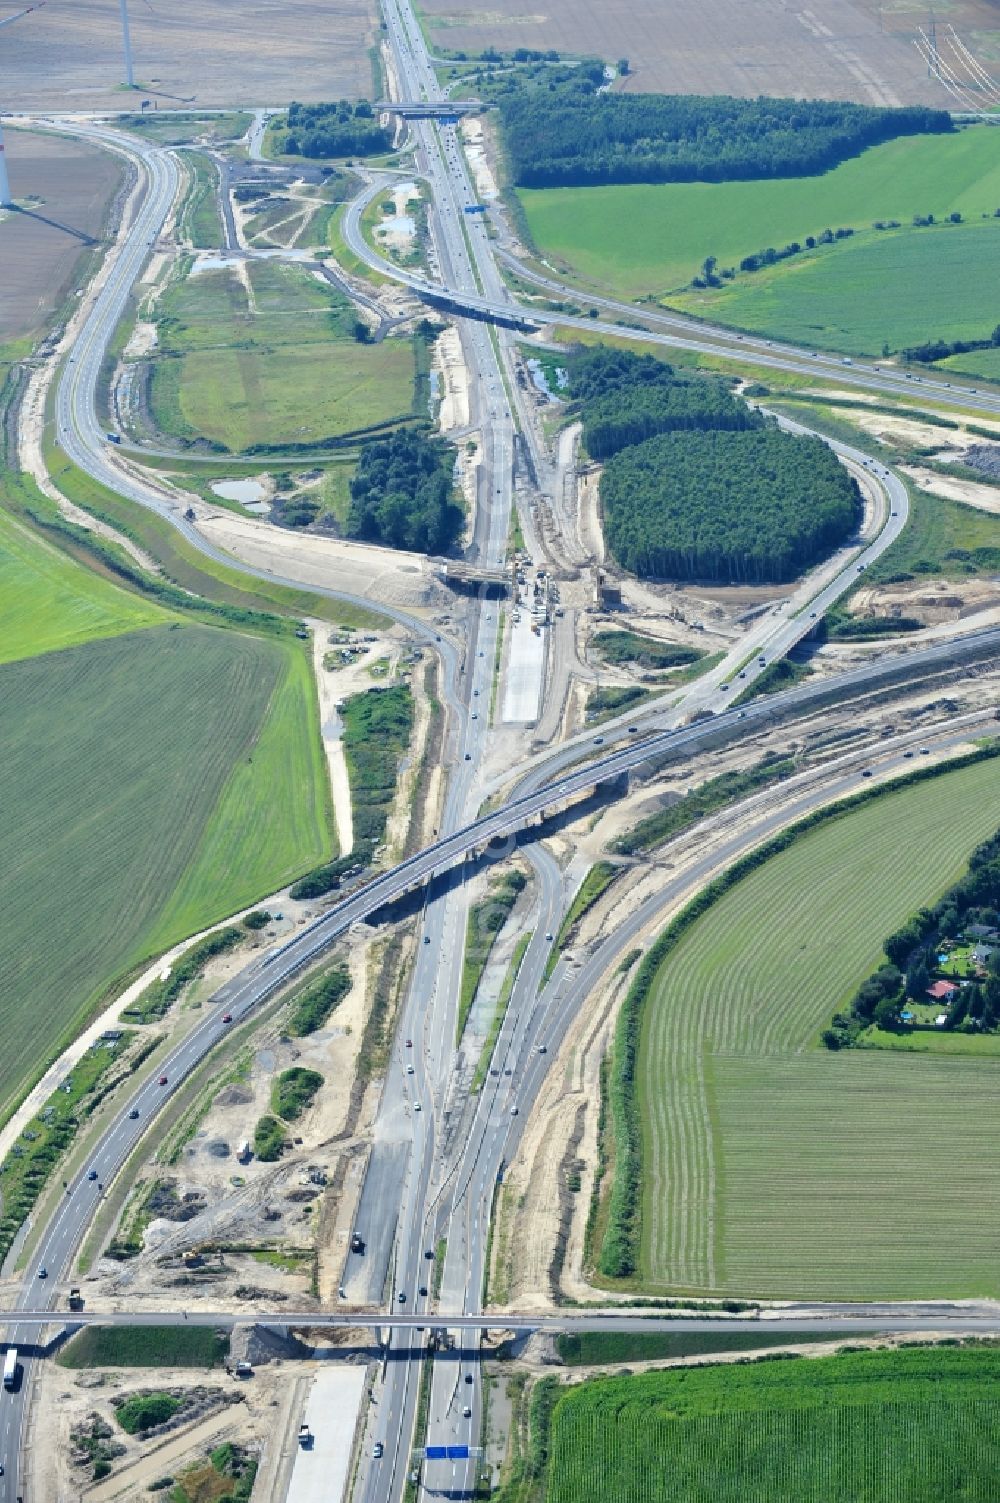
point(422, 1291)
point(417, 1107)
point(43, 1272)
point(92, 1174)
point(762, 662)
point(549, 938)
point(866, 772)
point(378, 1451)
point(543, 1048)
point(468, 1377)
point(468, 758)
point(428, 1253)
point(908, 754)
point(162, 1080)
point(227, 1017)
point(409, 1043)
point(598, 740)
point(467, 1412)
point(513, 1111)
point(925, 751)
point(401, 1296)
point(633, 730)
point(133, 1115)
point(409, 1069)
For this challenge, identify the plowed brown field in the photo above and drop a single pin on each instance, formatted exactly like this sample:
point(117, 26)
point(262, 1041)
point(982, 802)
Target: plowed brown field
point(207, 52)
point(824, 49)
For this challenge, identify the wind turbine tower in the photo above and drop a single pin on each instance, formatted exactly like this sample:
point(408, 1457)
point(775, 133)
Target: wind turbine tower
point(6, 202)
point(127, 43)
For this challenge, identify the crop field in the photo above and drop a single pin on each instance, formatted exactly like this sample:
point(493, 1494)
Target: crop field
point(771, 1167)
point(145, 1346)
point(895, 288)
point(906, 1426)
point(210, 52)
point(985, 363)
point(64, 189)
point(48, 602)
point(145, 781)
point(284, 368)
point(927, 280)
point(834, 50)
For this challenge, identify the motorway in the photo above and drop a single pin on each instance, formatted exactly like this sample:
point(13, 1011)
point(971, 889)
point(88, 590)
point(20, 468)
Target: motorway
point(443, 1179)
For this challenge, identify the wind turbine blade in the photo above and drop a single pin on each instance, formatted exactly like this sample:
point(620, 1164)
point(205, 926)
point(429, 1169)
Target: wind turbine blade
point(9, 20)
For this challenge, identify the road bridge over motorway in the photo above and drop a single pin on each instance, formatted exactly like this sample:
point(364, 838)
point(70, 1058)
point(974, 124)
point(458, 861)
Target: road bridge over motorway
point(425, 109)
point(929, 1318)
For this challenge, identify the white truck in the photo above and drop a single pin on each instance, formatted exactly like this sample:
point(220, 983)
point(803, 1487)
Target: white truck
point(10, 1368)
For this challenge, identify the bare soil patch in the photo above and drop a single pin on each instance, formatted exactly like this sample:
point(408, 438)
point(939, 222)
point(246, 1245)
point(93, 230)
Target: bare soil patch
point(63, 190)
point(210, 53)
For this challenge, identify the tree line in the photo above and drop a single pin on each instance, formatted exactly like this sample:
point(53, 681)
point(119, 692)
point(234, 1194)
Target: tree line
point(338, 129)
point(696, 484)
point(402, 494)
point(560, 131)
point(911, 959)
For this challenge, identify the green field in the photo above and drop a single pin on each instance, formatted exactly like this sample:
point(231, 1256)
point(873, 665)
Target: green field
point(771, 1168)
point(604, 1348)
point(151, 783)
point(898, 286)
point(145, 1346)
point(47, 602)
point(985, 363)
point(283, 368)
point(917, 1425)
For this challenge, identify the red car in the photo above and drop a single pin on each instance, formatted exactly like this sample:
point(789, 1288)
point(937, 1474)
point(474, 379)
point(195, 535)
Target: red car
point(163, 1080)
point(227, 1017)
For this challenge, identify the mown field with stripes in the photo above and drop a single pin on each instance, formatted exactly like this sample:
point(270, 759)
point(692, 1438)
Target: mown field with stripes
point(773, 1167)
point(909, 1426)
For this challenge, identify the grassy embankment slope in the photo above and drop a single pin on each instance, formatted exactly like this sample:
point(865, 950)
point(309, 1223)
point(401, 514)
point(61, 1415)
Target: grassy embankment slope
point(896, 286)
point(275, 364)
point(774, 1168)
point(905, 1426)
point(153, 780)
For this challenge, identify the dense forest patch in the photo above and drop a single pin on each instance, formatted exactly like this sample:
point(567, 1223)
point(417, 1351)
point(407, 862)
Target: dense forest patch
point(560, 132)
point(717, 492)
point(402, 494)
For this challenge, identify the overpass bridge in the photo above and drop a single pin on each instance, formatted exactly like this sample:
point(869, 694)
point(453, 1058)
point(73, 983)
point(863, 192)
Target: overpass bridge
point(836, 1320)
point(425, 109)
